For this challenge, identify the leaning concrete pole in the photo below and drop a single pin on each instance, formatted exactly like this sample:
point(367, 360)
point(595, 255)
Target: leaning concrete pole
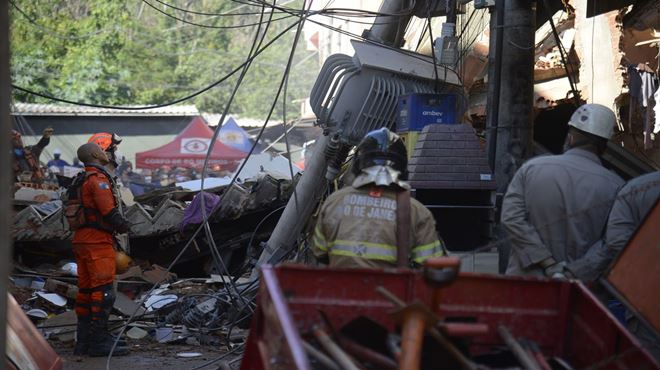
point(516, 96)
point(312, 184)
point(5, 171)
point(308, 192)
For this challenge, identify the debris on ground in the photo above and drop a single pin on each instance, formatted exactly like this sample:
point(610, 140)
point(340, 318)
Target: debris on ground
point(179, 313)
point(161, 300)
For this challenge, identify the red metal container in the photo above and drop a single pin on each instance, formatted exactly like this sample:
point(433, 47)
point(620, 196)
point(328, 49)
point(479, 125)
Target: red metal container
point(564, 318)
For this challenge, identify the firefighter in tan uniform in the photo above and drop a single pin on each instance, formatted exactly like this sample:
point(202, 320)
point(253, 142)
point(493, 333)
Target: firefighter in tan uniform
point(357, 225)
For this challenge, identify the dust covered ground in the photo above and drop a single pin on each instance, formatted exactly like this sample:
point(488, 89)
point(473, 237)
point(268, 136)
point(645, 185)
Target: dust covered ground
point(149, 355)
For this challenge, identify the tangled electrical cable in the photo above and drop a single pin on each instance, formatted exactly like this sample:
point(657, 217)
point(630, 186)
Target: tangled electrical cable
point(204, 13)
point(207, 25)
point(161, 105)
point(204, 224)
point(54, 32)
point(305, 13)
point(207, 229)
point(238, 171)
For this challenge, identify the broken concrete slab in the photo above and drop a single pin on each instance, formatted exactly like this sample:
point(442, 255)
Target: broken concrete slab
point(132, 272)
point(61, 327)
point(31, 225)
point(61, 288)
point(158, 275)
point(53, 298)
point(166, 218)
point(127, 306)
point(64, 319)
point(136, 333)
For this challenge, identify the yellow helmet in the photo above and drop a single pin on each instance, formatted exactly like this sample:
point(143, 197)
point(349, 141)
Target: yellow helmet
point(122, 262)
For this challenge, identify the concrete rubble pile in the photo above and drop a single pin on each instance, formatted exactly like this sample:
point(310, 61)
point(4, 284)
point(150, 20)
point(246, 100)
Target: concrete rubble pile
point(157, 219)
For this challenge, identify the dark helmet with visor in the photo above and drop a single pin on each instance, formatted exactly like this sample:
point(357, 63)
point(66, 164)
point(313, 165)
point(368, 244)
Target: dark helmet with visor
point(381, 147)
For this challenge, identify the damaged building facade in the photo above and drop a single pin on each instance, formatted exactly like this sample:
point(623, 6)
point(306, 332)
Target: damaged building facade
point(611, 55)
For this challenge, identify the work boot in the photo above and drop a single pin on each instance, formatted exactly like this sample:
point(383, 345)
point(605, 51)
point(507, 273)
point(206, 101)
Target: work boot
point(82, 337)
point(120, 343)
point(101, 343)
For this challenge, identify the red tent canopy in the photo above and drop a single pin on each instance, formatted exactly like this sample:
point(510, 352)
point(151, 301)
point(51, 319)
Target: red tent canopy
point(188, 149)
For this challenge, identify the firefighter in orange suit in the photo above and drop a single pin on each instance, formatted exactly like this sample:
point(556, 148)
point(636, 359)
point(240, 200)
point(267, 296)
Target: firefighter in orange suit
point(95, 254)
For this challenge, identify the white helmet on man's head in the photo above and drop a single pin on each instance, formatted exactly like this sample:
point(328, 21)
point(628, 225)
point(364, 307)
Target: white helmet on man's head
point(594, 119)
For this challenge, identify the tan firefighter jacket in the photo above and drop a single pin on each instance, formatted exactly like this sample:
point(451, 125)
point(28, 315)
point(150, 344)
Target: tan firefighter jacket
point(357, 228)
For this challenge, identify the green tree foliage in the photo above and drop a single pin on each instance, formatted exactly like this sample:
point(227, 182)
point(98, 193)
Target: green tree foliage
point(127, 53)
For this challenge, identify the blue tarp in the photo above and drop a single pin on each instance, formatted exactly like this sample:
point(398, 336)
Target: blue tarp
point(233, 135)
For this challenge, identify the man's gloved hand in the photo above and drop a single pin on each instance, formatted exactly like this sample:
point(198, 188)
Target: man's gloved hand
point(48, 131)
point(118, 222)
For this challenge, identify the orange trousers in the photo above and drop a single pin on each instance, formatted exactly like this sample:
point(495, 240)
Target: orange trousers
point(96, 274)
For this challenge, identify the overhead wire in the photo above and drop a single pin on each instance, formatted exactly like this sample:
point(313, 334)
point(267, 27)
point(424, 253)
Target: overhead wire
point(205, 221)
point(206, 25)
point(421, 36)
point(54, 32)
point(350, 12)
point(435, 62)
point(202, 225)
point(563, 54)
point(205, 13)
point(161, 105)
point(279, 90)
point(300, 24)
point(286, 139)
point(344, 11)
point(238, 171)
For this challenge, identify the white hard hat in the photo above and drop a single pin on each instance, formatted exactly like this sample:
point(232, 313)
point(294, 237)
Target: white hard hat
point(595, 119)
point(57, 151)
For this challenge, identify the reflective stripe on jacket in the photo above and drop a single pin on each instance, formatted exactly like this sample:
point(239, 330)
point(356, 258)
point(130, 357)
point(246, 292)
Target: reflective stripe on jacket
point(357, 228)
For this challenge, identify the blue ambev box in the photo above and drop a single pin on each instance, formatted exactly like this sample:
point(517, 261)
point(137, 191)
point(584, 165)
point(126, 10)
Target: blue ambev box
point(418, 110)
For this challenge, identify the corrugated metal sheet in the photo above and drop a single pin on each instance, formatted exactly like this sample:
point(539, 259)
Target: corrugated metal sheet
point(28, 109)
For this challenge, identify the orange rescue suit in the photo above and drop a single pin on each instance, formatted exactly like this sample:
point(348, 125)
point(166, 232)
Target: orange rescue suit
point(93, 247)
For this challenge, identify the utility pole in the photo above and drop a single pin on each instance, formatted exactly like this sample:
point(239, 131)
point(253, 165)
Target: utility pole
point(514, 124)
point(6, 169)
point(388, 30)
point(509, 125)
point(494, 68)
point(451, 11)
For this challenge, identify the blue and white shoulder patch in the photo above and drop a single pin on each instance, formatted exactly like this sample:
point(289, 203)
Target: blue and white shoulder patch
point(104, 185)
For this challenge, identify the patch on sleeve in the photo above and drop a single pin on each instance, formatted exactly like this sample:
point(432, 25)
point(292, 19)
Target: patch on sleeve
point(104, 185)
